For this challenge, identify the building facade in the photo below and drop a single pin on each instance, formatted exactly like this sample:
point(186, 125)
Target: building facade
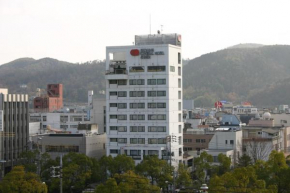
point(52, 101)
point(14, 127)
point(144, 98)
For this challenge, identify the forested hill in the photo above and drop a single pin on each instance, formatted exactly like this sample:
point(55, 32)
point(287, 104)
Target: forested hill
point(255, 73)
point(237, 74)
point(76, 78)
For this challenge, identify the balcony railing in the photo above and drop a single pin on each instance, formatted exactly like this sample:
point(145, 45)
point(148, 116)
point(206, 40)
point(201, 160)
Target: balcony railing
point(117, 71)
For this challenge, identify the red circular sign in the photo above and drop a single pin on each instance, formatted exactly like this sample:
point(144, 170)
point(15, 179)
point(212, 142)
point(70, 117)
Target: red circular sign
point(134, 52)
point(179, 38)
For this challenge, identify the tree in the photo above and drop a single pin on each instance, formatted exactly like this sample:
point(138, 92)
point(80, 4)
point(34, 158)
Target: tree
point(128, 182)
point(244, 161)
point(224, 164)
point(258, 148)
point(239, 180)
point(202, 165)
point(183, 177)
point(120, 164)
point(157, 170)
point(19, 181)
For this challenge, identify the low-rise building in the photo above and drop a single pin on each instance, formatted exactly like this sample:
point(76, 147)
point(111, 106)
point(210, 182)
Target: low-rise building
point(92, 145)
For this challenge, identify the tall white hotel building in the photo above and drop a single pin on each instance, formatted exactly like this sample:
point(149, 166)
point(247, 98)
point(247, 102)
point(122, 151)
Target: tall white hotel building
point(144, 98)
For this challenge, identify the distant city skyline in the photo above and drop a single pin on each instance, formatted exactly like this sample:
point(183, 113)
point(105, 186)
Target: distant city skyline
point(78, 31)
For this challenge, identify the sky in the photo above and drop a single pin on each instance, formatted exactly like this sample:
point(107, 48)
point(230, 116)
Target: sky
point(79, 30)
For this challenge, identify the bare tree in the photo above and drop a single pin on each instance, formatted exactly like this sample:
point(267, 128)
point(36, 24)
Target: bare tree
point(258, 148)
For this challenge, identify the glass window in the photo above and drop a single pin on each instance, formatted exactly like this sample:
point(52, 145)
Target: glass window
point(152, 105)
point(157, 117)
point(179, 71)
point(179, 83)
point(172, 68)
point(113, 93)
point(113, 104)
point(162, 141)
point(152, 141)
point(140, 82)
point(122, 82)
point(161, 93)
point(113, 139)
point(136, 69)
point(122, 105)
point(137, 105)
point(153, 152)
point(122, 94)
point(137, 93)
point(179, 106)
point(161, 81)
point(151, 93)
point(113, 81)
point(122, 140)
point(179, 94)
point(122, 117)
point(113, 128)
point(156, 68)
point(132, 82)
point(113, 116)
point(179, 58)
point(151, 81)
point(114, 151)
point(179, 128)
point(122, 129)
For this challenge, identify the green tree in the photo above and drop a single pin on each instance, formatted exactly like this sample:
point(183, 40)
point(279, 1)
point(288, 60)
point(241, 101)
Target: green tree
point(202, 165)
point(244, 161)
point(183, 179)
point(121, 163)
point(128, 182)
point(19, 181)
point(157, 170)
point(224, 164)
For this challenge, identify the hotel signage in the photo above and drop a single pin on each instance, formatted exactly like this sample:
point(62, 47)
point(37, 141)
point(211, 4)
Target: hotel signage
point(145, 53)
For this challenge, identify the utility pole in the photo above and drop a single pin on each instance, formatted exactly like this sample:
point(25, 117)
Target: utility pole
point(60, 175)
point(53, 174)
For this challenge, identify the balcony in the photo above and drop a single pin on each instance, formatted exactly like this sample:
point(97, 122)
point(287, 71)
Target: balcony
point(117, 70)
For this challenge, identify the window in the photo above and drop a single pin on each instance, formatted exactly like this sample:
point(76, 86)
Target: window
point(156, 105)
point(137, 105)
point(157, 117)
point(136, 82)
point(202, 140)
point(161, 81)
point(44, 118)
point(151, 81)
point(122, 105)
point(232, 142)
point(113, 116)
point(156, 129)
point(113, 139)
point(137, 93)
point(179, 117)
point(122, 129)
point(197, 140)
point(113, 81)
point(179, 140)
point(187, 140)
point(179, 83)
point(161, 93)
point(114, 151)
point(122, 82)
point(113, 128)
point(179, 94)
point(179, 106)
point(113, 93)
point(179, 128)
point(179, 71)
point(136, 69)
point(156, 93)
point(122, 94)
point(215, 159)
point(172, 68)
point(179, 58)
point(137, 141)
point(122, 117)
point(137, 129)
point(113, 104)
point(157, 141)
point(226, 141)
point(156, 68)
point(151, 93)
point(122, 140)
point(135, 152)
point(137, 117)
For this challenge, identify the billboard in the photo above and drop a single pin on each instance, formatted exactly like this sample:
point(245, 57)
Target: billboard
point(1, 120)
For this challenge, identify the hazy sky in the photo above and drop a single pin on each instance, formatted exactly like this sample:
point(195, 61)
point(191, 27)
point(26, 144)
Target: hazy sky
point(79, 30)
